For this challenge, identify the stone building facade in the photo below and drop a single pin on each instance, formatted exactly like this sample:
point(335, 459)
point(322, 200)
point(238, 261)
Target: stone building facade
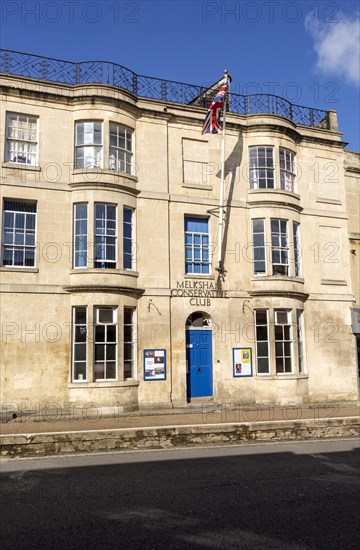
point(109, 288)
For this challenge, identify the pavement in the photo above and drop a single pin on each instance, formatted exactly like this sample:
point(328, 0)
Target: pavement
point(89, 429)
point(87, 418)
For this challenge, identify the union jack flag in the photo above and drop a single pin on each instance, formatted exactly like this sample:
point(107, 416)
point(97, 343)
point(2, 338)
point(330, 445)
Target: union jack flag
point(212, 119)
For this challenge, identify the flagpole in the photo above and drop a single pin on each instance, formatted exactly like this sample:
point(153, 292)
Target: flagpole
point(220, 267)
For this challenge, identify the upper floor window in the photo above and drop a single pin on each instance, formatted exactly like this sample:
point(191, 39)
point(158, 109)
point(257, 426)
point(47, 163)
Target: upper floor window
point(121, 149)
point(19, 226)
point(287, 170)
point(80, 234)
point(259, 247)
point(297, 249)
point(197, 242)
point(127, 238)
point(262, 168)
point(21, 138)
point(271, 249)
point(88, 144)
point(279, 247)
point(105, 236)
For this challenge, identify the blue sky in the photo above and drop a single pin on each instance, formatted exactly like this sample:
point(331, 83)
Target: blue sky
point(307, 52)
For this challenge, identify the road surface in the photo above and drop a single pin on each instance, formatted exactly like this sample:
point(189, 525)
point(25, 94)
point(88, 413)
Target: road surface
point(299, 496)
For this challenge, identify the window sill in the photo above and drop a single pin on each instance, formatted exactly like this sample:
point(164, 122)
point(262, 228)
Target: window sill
point(21, 166)
point(292, 194)
point(197, 186)
point(10, 269)
point(333, 282)
point(102, 171)
point(82, 270)
point(198, 276)
point(328, 201)
point(82, 384)
point(278, 278)
point(281, 376)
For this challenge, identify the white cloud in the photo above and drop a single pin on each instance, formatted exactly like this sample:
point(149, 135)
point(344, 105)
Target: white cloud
point(337, 46)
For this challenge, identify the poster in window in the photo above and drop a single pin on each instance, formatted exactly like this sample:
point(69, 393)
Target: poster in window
point(154, 364)
point(242, 362)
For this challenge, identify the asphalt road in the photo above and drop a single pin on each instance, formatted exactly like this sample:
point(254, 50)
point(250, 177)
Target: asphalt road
point(299, 496)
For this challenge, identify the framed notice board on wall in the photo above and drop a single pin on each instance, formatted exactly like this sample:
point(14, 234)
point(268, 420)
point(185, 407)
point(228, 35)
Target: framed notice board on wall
point(154, 364)
point(242, 362)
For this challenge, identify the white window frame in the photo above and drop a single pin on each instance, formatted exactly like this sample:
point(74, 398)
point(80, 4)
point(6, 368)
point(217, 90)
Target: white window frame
point(89, 145)
point(22, 137)
point(300, 341)
point(105, 343)
point(126, 163)
point(267, 341)
point(297, 249)
point(280, 248)
point(284, 341)
point(77, 379)
point(258, 171)
point(288, 180)
point(132, 343)
point(131, 239)
point(259, 247)
point(23, 246)
point(106, 235)
point(83, 235)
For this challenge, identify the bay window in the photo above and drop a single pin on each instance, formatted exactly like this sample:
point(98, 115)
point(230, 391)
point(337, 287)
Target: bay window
point(121, 149)
point(287, 170)
point(279, 247)
point(283, 341)
point(276, 353)
point(88, 144)
point(262, 172)
point(105, 343)
point(105, 236)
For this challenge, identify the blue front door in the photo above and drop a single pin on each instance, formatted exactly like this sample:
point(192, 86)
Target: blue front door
point(199, 361)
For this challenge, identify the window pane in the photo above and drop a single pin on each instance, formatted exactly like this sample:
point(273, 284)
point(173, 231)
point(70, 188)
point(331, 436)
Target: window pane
point(111, 370)
point(100, 333)
point(261, 317)
point(110, 352)
point(263, 365)
point(80, 371)
point(80, 334)
point(99, 352)
point(80, 315)
point(80, 352)
point(99, 371)
point(262, 349)
point(261, 333)
point(111, 333)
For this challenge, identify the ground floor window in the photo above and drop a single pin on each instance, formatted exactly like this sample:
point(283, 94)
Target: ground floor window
point(105, 343)
point(97, 354)
point(129, 342)
point(276, 333)
point(283, 341)
point(79, 343)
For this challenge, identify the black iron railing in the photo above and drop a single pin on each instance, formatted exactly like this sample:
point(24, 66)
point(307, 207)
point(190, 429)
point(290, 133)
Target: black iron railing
point(112, 74)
